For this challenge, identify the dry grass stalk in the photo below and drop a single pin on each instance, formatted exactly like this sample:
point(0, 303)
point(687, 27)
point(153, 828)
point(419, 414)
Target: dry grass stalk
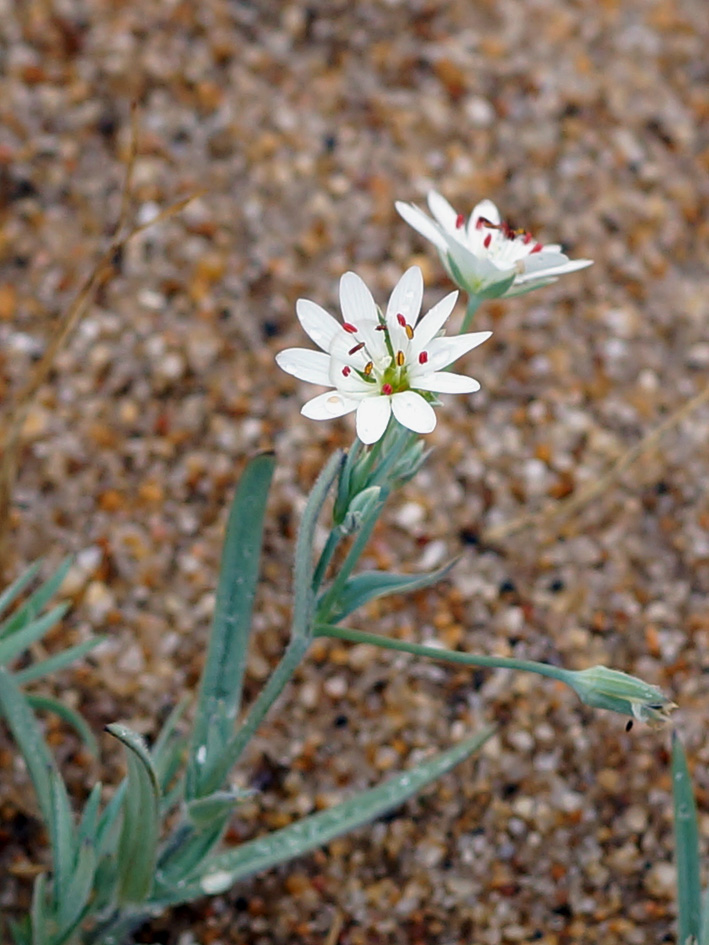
point(551, 518)
point(100, 275)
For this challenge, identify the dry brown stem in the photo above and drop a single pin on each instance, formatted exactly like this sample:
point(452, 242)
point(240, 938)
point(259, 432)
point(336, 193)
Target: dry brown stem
point(101, 273)
point(550, 518)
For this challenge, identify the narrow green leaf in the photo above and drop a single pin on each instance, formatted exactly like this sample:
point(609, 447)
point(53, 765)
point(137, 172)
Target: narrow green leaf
point(369, 585)
point(21, 931)
point(223, 870)
point(139, 833)
point(171, 763)
point(18, 585)
point(215, 775)
point(205, 810)
point(686, 847)
point(68, 715)
point(88, 825)
point(163, 743)
point(105, 842)
point(56, 661)
point(222, 680)
point(73, 904)
point(36, 602)
point(173, 797)
point(105, 899)
point(186, 856)
point(61, 832)
point(704, 938)
point(20, 640)
point(26, 732)
point(39, 911)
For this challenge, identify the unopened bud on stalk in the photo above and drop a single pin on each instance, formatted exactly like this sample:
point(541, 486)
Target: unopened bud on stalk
point(604, 688)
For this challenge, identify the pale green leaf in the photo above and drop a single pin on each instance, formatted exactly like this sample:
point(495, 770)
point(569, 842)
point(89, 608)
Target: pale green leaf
point(107, 822)
point(221, 871)
point(11, 646)
point(26, 732)
point(56, 661)
point(205, 810)
point(369, 585)
point(39, 912)
point(139, 832)
point(12, 592)
point(73, 904)
point(686, 846)
point(88, 825)
point(36, 601)
point(222, 680)
point(61, 832)
point(68, 715)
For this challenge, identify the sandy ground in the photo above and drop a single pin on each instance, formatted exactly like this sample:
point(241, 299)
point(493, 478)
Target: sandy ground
point(302, 123)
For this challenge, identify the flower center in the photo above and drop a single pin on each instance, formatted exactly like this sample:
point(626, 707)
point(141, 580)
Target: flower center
point(390, 371)
point(508, 232)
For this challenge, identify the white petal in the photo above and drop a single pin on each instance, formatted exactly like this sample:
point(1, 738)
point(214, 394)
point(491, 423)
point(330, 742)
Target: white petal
point(329, 405)
point(443, 382)
point(433, 321)
point(516, 289)
point(356, 300)
point(320, 326)
point(407, 296)
point(372, 418)
point(444, 351)
point(442, 211)
point(310, 366)
point(479, 272)
point(413, 412)
point(420, 222)
point(349, 383)
point(486, 209)
point(553, 264)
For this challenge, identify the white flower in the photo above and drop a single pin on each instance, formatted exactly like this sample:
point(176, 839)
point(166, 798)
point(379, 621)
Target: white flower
point(486, 257)
point(379, 364)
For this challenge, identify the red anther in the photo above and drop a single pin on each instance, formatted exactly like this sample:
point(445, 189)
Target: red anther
point(356, 348)
point(348, 326)
point(527, 238)
point(459, 221)
point(401, 320)
point(380, 328)
point(346, 370)
point(423, 357)
point(536, 249)
point(481, 222)
point(387, 389)
point(487, 241)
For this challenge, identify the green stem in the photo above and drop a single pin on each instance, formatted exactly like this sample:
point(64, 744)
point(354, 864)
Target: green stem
point(398, 438)
point(473, 305)
point(333, 540)
point(332, 595)
point(275, 685)
point(436, 653)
